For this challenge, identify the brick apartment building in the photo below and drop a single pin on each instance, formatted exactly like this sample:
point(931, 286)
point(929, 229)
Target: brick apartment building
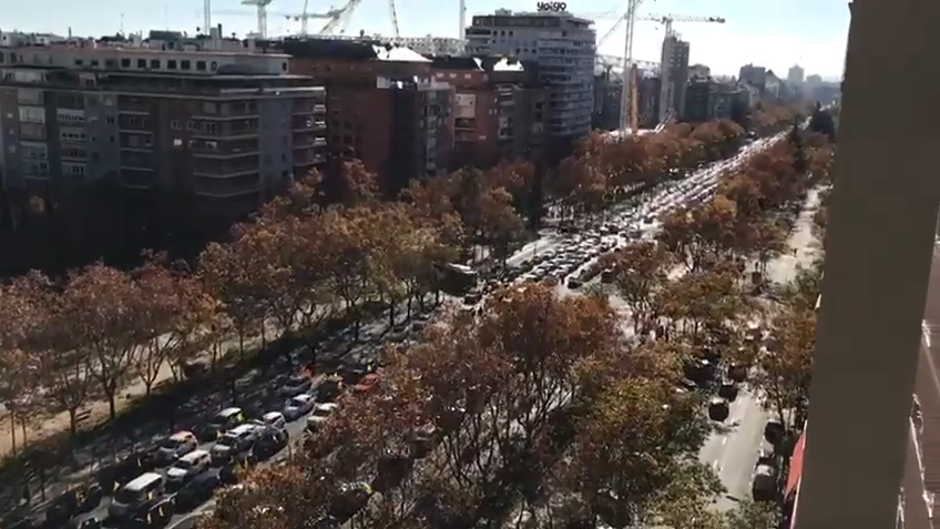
point(201, 114)
point(500, 109)
point(385, 106)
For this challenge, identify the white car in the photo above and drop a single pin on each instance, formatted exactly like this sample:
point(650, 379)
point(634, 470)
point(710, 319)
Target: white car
point(274, 419)
point(321, 413)
point(193, 463)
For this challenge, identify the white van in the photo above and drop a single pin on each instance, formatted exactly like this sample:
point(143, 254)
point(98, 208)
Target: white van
point(138, 495)
point(193, 463)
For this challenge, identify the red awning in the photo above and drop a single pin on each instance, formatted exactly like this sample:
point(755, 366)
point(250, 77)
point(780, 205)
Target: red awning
point(796, 465)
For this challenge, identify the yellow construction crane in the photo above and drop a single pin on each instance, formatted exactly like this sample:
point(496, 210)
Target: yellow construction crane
point(666, 86)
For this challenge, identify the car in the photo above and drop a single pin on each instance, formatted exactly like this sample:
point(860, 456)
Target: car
point(350, 498)
point(367, 383)
point(223, 421)
point(74, 501)
point(774, 432)
point(272, 419)
point(197, 490)
point(321, 412)
point(728, 390)
point(718, 409)
point(176, 446)
point(287, 387)
point(269, 442)
point(764, 485)
point(298, 406)
point(235, 442)
point(192, 464)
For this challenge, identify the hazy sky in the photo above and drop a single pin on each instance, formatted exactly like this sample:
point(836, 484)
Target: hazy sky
point(772, 33)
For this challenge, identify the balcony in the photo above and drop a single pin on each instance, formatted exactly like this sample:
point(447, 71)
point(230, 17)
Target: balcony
point(226, 188)
point(223, 149)
point(307, 124)
point(303, 108)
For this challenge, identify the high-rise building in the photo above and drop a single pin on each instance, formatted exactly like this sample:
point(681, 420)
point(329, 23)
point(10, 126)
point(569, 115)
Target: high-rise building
point(675, 57)
point(795, 75)
point(563, 46)
point(231, 127)
point(755, 76)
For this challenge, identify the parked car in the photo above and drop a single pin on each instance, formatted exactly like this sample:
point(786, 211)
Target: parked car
point(298, 406)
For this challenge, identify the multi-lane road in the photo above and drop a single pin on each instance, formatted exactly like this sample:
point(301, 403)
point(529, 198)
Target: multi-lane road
point(725, 450)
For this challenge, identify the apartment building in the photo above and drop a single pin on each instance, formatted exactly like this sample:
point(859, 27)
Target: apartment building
point(230, 126)
point(675, 58)
point(563, 46)
point(707, 99)
point(385, 106)
point(500, 109)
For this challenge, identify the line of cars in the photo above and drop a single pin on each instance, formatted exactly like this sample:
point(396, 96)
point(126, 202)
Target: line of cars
point(180, 472)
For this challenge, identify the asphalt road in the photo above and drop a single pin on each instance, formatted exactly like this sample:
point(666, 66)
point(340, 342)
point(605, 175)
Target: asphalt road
point(733, 450)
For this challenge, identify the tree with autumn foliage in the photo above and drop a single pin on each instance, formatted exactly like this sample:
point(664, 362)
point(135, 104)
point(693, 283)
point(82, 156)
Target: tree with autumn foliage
point(784, 369)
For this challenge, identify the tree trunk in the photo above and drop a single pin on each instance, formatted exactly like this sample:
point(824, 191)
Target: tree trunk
point(13, 432)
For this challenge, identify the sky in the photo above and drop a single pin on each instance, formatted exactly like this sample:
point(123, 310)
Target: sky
point(772, 33)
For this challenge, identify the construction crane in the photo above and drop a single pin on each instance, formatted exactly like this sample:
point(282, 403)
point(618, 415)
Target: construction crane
point(337, 18)
point(666, 84)
point(262, 7)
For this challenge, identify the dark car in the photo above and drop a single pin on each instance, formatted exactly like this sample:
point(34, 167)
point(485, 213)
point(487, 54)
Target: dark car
point(198, 490)
point(728, 390)
point(718, 410)
point(89, 522)
point(269, 442)
point(74, 501)
point(774, 432)
point(154, 518)
point(289, 386)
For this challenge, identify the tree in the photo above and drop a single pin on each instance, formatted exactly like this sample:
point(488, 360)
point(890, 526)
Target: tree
point(700, 234)
point(703, 301)
point(45, 333)
point(178, 314)
point(640, 271)
point(106, 311)
point(621, 476)
point(231, 273)
point(784, 370)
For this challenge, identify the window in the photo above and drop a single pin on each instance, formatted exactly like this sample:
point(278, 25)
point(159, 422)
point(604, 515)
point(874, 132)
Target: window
point(171, 64)
point(110, 120)
point(141, 63)
point(79, 62)
point(133, 121)
point(94, 63)
point(155, 63)
point(210, 128)
point(215, 66)
point(283, 66)
point(201, 66)
point(125, 63)
point(110, 64)
point(186, 65)
point(175, 124)
point(190, 125)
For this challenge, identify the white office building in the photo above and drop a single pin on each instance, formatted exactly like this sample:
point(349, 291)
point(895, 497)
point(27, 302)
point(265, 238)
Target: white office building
point(562, 45)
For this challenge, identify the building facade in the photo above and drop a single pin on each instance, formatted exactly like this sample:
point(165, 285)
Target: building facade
point(500, 109)
point(385, 107)
point(562, 45)
point(675, 57)
point(755, 76)
point(230, 127)
point(795, 75)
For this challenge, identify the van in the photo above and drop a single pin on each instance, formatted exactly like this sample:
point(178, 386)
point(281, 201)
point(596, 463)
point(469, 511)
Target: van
point(138, 495)
point(193, 463)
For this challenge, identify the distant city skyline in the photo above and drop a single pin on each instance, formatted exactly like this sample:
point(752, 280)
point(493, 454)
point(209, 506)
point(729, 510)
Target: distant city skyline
point(774, 34)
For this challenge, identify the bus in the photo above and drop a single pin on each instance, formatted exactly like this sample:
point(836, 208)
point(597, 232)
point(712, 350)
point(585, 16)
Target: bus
point(456, 279)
